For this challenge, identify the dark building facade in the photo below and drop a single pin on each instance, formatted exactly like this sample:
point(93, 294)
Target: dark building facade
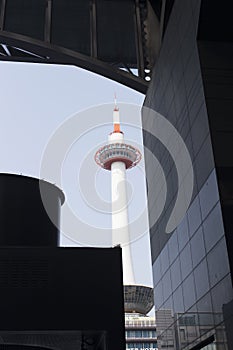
point(192, 87)
point(53, 297)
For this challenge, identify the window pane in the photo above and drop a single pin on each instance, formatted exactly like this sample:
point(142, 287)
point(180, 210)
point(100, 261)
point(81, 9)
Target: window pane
point(26, 17)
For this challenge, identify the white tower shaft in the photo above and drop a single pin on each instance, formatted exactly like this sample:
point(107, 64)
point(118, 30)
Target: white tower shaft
point(120, 227)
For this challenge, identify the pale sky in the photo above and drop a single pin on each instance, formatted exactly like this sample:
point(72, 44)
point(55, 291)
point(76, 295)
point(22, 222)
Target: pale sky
point(36, 101)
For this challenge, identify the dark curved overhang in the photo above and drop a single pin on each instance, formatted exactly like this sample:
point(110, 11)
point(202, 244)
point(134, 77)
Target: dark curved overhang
point(119, 39)
point(27, 49)
point(111, 38)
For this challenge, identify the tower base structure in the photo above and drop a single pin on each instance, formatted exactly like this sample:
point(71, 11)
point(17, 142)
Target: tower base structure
point(140, 328)
point(138, 299)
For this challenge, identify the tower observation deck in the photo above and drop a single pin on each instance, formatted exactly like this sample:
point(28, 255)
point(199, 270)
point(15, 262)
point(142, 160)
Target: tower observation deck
point(118, 156)
point(117, 152)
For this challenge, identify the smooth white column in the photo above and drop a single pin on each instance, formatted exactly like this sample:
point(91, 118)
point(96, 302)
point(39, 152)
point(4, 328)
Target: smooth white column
point(120, 227)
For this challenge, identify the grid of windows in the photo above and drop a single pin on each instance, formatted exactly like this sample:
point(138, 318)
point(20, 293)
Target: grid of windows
point(131, 322)
point(199, 264)
point(139, 346)
point(191, 271)
point(141, 334)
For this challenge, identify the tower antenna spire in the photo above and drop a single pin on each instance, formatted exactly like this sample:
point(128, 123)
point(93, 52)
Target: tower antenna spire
point(116, 116)
point(115, 103)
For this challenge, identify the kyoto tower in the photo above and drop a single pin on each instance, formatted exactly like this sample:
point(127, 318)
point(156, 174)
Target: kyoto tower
point(117, 157)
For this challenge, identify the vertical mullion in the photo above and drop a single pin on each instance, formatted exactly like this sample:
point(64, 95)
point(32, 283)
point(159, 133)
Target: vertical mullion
point(162, 15)
point(140, 59)
point(48, 17)
point(93, 29)
point(2, 15)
